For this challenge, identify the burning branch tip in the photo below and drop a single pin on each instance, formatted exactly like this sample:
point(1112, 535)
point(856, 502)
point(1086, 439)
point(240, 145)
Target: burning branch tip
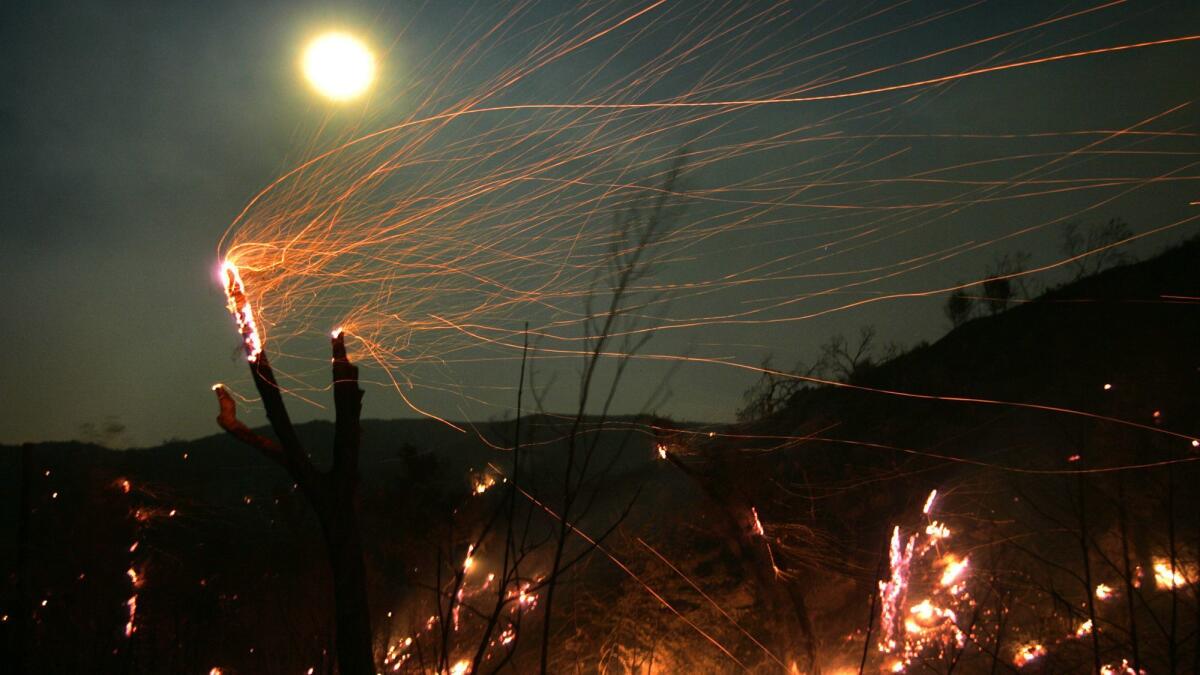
point(929, 502)
point(339, 346)
point(239, 307)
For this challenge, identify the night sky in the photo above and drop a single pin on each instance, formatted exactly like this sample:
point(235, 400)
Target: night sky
point(135, 132)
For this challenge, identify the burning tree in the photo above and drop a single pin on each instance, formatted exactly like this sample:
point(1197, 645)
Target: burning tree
point(331, 493)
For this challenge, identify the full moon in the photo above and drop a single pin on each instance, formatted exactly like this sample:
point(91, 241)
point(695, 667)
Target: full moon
point(339, 66)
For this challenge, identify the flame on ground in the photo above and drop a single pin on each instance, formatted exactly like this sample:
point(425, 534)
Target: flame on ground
point(1171, 576)
point(1029, 653)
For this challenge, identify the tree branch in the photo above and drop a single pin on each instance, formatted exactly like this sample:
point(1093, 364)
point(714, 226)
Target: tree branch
point(347, 399)
point(287, 452)
point(227, 420)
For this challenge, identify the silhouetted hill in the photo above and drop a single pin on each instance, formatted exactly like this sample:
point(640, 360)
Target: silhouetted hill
point(1133, 327)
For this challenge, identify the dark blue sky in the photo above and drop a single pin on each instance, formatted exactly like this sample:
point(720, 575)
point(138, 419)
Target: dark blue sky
point(134, 132)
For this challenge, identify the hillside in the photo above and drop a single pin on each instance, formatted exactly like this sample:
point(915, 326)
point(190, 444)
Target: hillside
point(1091, 369)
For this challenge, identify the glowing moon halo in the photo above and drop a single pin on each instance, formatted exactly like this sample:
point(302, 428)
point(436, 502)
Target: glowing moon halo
point(339, 66)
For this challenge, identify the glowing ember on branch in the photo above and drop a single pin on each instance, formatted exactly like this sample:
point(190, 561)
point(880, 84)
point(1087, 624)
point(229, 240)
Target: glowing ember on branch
point(757, 524)
point(1103, 592)
point(240, 308)
point(929, 502)
point(130, 626)
point(1084, 629)
point(469, 561)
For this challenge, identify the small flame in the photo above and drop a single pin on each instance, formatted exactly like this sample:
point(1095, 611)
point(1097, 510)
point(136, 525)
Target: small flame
point(1123, 669)
point(1170, 576)
point(1104, 591)
point(482, 482)
point(1029, 653)
point(937, 531)
point(954, 569)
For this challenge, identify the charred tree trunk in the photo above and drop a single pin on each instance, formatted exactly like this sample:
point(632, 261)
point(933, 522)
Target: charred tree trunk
point(351, 613)
point(332, 494)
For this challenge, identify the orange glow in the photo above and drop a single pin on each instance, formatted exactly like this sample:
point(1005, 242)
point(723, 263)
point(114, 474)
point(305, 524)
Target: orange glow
point(954, 570)
point(929, 502)
point(131, 606)
point(1168, 576)
point(436, 236)
point(756, 524)
point(937, 531)
point(1029, 653)
point(239, 307)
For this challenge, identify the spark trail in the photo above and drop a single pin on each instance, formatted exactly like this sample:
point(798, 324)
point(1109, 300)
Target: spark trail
point(475, 201)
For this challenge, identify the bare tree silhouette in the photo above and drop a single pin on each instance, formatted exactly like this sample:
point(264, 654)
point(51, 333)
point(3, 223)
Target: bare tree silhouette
point(331, 493)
